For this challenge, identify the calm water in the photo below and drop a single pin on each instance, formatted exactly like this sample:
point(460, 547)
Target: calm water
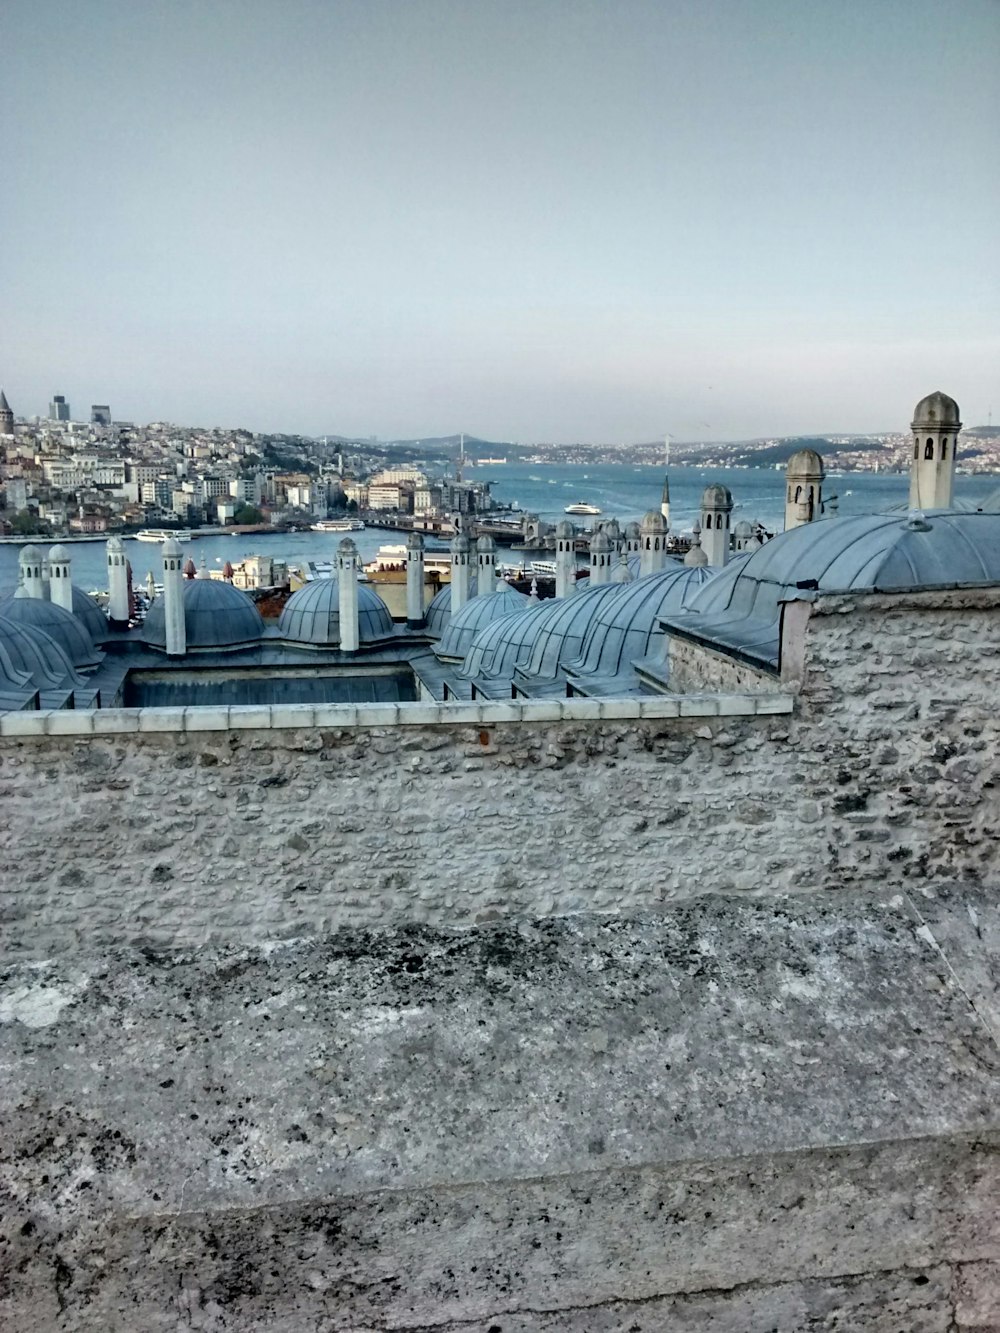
point(620, 490)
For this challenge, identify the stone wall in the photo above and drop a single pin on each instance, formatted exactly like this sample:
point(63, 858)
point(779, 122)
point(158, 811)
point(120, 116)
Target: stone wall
point(886, 773)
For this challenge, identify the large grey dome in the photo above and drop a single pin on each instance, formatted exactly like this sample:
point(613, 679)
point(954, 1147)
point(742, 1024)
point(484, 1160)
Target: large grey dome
point(439, 610)
point(29, 656)
point(216, 615)
point(624, 628)
point(740, 608)
point(60, 625)
point(475, 615)
point(312, 615)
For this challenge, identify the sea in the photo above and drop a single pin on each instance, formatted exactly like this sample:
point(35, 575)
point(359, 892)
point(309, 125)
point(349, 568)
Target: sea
point(620, 490)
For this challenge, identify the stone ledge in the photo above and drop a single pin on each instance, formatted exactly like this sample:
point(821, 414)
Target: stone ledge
point(91, 722)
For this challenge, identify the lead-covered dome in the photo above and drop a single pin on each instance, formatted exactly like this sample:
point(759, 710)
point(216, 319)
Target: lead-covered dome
point(30, 657)
point(438, 613)
point(936, 410)
point(805, 463)
point(717, 496)
point(740, 608)
point(216, 615)
point(312, 615)
point(475, 615)
point(90, 615)
point(60, 625)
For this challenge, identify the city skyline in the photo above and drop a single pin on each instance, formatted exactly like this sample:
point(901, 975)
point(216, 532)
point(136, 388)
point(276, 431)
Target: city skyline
point(547, 222)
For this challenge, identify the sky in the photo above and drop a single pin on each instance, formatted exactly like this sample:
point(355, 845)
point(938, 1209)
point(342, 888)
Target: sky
point(523, 219)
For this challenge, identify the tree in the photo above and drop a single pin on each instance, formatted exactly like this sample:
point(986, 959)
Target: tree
point(247, 514)
point(26, 524)
point(352, 506)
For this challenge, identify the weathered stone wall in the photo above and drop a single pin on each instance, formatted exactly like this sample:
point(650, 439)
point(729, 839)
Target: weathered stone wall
point(886, 773)
point(696, 667)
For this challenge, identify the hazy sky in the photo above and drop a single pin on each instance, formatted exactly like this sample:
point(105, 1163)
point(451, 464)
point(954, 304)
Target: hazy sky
point(558, 219)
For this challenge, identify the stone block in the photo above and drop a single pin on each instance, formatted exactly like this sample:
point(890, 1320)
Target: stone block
point(774, 703)
point(69, 722)
point(461, 711)
point(249, 717)
point(116, 721)
point(206, 719)
point(292, 715)
point(542, 710)
point(662, 706)
point(161, 719)
point(23, 724)
point(699, 705)
point(580, 709)
point(378, 715)
point(336, 715)
point(623, 708)
point(502, 710)
point(737, 705)
point(426, 713)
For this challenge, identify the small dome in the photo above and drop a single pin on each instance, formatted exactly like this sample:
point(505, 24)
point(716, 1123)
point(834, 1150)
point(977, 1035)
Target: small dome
point(805, 463)
point(27, 651)
point(438, 613)
point(60, 625)
point(717, 497)
point(653, 523)
point(116, 545)
point(460, 543)
point(216, 615)
point(936, 410)
point(695, 558)
point(613, 529)
point(475, 615)
point(632, 531)
point(190, 569)
point(171, 546)
point(59, 555)
point(312, 615)
point(600, 543)
point(743, 529)
point(28, 555)
point(565, 530)
point(486, 545)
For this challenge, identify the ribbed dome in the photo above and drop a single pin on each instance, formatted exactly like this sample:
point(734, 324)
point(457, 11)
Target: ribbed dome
point(740, 607)
point(216, 615)
point(936, 410)
point(475, 615)
point(31, 655)
point(439, 612)
point(90, 614)
point(62, 626)
point(559, 634)
point(312, 615)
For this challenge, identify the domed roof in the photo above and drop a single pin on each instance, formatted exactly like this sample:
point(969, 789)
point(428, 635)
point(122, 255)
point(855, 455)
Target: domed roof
point(632, 531)
point(805, 463)
point(623, 628)
point(29, 554)
point(653, 522)
point(62, 626)
point(33, 657)
point(717, 496)
point(559, 634)
point(312, 615)
point(59, 553)
point(744, 528)
point(216, 615)
point(438, 613)
point(565, 530)
point(937, 409)
point(90, 614)
point(475, 615)
point(740, 607)
point(600, 543)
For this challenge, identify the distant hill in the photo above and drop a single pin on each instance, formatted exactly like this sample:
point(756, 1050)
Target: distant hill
point(782, 450)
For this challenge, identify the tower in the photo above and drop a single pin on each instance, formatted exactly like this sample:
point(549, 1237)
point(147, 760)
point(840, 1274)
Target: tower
point(460, 572)
point(173, 599)
point(29, 566)
point(600, 560)
point(59, 408)
point(652, 544)
point(935, 429)
point(803, 488)
point(633, 539)
point(486, 571)
point(117, 583)
point(60, 584)
point(414, 580)
point(716, 508)
point(347, 593)
point(565, 559)
point(6, 416)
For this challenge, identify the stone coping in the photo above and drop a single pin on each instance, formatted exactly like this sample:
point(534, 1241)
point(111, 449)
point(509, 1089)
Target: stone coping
point(114, 721)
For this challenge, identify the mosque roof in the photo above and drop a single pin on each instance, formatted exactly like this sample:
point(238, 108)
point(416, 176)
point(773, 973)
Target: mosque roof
point(216, 615)
point(559, 634)
point(475, 615)
point(62, 626)
point(29, 654)
point(438, 613)
point(740, 608)
point(312, 615)
point(86, 610)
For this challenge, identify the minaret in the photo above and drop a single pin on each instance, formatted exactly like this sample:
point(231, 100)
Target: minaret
point(30, 567)
point(460, 572)
point(633, 539)
point(486, 571)
point(150, 587)
point(716, 508)
point(60, 583)
point(6, 416)
point(117, 583)
point(696, 557)
point(935, 429)
point(173, 598)
point(565, 559)
point(665, 504)
point(414, 580)
point(600, 560)
point(652, 544)
point(347, 589)
point(803, 488)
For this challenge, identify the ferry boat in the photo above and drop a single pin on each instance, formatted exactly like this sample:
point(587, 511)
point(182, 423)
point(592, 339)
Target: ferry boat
point(337, 525)
point(543, 569)
point(391, 560)
point(161, 534)
point(581, 508)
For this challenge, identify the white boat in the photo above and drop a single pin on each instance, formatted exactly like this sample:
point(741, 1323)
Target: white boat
point(337, 525)
point(544, 569)
point(161, 534)
point(581, 508)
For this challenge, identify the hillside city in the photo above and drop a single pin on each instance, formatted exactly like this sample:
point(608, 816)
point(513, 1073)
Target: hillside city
point(62, 476)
